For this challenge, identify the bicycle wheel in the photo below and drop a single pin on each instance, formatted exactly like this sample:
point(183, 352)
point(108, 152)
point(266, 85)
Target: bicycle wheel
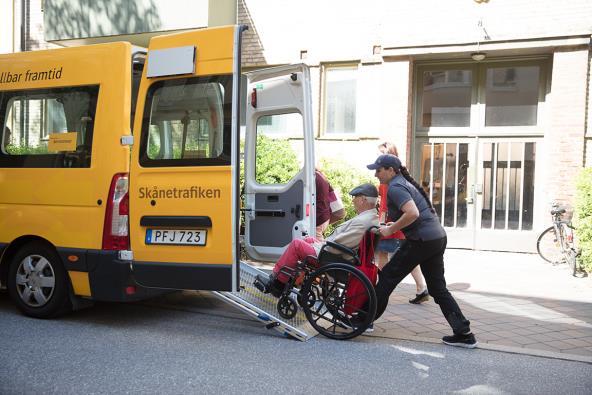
point(572, 259)
point(549, 246)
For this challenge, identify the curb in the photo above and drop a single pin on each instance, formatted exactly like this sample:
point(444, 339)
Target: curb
point(494, 347)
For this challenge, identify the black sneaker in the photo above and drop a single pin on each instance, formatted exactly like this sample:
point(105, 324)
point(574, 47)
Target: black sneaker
point(262, 283)
point(420, 298)
point(466, 341)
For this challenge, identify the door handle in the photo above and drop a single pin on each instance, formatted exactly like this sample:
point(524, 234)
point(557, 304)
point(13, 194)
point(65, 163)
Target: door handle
point(296, 211)
point(269, 213)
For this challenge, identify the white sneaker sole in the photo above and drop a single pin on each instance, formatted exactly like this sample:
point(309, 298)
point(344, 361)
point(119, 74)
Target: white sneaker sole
point(463, 345)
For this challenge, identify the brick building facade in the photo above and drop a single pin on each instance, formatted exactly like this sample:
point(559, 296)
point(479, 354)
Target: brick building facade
point(518, 120)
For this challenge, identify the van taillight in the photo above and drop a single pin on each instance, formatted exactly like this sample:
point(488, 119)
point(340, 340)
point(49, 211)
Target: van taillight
point(116, 228)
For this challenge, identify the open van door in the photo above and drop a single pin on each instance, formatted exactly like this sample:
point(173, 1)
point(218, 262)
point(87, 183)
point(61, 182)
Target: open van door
point(279, 189)
point(183, 191)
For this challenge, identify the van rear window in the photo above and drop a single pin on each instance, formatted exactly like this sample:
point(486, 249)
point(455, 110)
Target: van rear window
point(187, 122)
point(48, 127)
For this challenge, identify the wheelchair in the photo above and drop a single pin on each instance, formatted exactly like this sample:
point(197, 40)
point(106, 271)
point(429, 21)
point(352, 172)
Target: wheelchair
point(336, 297)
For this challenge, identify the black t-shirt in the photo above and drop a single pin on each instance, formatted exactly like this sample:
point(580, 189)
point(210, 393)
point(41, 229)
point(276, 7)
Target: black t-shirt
point(427, 226)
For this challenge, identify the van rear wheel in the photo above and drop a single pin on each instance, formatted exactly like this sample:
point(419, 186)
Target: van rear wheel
point(37, 281)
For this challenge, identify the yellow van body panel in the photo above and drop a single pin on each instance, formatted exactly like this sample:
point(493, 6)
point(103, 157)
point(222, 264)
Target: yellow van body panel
point(216, 179)
point(66, 206)
point(214, 56)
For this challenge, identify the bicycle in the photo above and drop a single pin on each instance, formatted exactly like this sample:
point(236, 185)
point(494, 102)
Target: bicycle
point(556, 243)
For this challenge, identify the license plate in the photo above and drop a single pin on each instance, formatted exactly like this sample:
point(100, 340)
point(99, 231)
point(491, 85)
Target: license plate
point(176, 237)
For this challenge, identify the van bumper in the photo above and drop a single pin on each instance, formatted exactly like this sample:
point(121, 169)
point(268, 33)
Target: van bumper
point(108, 276)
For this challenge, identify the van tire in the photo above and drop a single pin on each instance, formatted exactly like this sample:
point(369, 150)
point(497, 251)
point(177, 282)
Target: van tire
point(37, 281)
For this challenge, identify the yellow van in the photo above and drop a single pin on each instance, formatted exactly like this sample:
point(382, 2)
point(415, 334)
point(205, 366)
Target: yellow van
point(91, 211)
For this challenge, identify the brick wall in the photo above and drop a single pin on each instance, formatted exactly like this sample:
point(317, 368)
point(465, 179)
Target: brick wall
point(564, 139)
point(348, 29)
point(252, 49)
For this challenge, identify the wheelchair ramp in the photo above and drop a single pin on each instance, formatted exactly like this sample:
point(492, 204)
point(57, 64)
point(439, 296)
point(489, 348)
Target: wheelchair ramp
point(263, 306)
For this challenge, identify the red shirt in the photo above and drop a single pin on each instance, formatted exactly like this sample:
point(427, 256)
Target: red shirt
point(383, 212)
point(323, 207)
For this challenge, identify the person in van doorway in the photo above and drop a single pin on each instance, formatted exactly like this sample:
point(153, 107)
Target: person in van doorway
point(349, 234)
point(323, 210)
point(412, 212)
point(389, 244)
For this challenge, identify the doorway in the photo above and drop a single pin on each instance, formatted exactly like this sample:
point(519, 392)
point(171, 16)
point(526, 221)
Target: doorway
point(482, 190)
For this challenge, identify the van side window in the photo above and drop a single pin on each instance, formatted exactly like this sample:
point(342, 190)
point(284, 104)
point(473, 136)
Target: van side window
point(48, 128)
point(187, 122)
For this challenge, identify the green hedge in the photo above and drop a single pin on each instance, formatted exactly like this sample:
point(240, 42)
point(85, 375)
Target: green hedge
point(583, 217)
point(277, 164)
point(276, 161)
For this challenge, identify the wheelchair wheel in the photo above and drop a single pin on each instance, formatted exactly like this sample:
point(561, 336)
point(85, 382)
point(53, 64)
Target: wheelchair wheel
point(339, 301)
point(287, 307)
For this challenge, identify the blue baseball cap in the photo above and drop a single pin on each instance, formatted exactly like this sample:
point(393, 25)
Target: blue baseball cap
point(365, 189)
point(386, 160)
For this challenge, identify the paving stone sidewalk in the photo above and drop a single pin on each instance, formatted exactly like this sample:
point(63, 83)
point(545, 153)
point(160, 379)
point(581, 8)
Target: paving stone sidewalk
point(516, 303)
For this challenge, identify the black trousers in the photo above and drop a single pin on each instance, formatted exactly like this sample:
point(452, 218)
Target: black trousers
point(429, 255)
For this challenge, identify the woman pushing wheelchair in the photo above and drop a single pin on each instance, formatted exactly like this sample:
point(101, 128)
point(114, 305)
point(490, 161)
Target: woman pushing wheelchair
point(412, 212)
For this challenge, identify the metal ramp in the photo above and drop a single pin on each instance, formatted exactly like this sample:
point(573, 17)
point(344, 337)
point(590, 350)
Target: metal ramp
point(263, 306)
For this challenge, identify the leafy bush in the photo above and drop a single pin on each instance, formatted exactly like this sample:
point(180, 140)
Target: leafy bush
point(583, 217)
point(269, 169)
point(38, 150)
point(276, 161)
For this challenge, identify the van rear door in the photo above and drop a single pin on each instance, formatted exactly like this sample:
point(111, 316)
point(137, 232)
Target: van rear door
point(183, 181)
point(279, 160)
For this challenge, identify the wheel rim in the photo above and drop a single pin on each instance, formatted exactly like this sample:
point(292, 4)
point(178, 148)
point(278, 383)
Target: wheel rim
point(549, 247)
point(287, 307)
point(326, 302)
point(35, 280)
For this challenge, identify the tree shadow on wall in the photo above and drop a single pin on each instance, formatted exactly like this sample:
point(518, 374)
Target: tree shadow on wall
point(94, 18)
point(252, 48)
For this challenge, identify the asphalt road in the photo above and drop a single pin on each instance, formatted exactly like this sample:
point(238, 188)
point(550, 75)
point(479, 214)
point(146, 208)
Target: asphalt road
point(168, 349)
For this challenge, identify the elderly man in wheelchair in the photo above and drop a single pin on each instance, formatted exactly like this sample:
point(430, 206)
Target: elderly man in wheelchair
point(332, 275)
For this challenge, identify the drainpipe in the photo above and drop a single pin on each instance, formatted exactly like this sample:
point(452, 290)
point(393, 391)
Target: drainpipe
point(24, 28)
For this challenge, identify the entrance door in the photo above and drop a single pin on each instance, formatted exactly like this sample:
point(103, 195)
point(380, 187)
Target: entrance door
point(482, 190)
point(505, 187)
point(447, 172)
point(184, 168)
point(279, 163)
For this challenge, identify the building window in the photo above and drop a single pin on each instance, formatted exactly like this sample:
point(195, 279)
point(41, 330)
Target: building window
point(479, 96)
point(511, 96)
point(446, 98)
point(340, 99)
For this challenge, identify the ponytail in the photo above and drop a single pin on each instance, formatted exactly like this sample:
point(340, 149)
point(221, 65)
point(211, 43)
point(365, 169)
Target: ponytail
point(405, 173)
